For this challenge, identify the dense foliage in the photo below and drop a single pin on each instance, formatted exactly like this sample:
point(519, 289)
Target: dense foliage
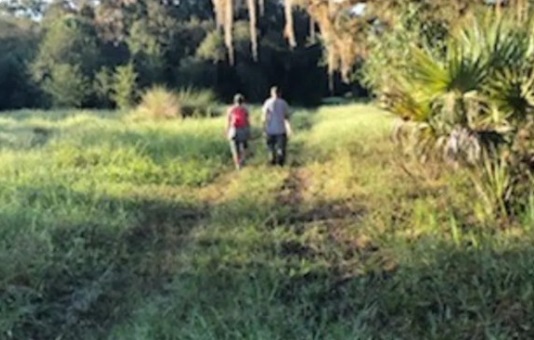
point(45, 47)
point(468, 95)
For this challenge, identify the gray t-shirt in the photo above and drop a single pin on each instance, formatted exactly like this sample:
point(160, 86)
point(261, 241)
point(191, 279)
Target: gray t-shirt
point(276, 111)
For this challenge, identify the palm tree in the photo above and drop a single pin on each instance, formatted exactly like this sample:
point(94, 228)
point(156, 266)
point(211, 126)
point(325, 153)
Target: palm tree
point(483, 83)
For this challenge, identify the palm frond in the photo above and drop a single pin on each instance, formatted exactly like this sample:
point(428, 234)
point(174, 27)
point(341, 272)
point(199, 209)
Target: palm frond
point(407, 106)
point(512, 93)
point(500, 40)
point(428, 72)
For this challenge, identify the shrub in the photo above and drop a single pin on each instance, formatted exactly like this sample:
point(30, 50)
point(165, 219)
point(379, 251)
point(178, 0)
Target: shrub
point(159, 103)
point(103, 87)
point(212, 48)
point(67, 86)
point(125, 86)
point(69, 40)
point(197, 103)
point(472, 97)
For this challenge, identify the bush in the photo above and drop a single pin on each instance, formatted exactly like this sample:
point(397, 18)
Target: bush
point(103, 87)
point(67, 86)
point(470, 100)
point(162, 103)
point(212, 48)
point(125, 86)
point(159, 103)
point(69, 40)
point(197, 103)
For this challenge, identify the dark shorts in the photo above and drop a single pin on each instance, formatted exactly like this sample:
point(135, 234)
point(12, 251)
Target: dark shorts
point(239, 141)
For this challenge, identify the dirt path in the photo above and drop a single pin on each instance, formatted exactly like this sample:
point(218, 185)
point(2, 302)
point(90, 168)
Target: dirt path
point(215, 192)
point(291, 192)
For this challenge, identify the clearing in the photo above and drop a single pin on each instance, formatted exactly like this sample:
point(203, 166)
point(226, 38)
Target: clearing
point(111, 229)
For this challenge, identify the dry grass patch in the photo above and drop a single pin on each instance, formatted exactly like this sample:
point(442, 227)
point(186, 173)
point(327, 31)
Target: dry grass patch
point(158, 103)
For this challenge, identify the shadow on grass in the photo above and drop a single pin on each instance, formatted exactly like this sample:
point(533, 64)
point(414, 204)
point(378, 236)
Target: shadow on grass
point(303, 277)
point(450, 293)
point(89, 273)
point(25, 137)
point(60, 114)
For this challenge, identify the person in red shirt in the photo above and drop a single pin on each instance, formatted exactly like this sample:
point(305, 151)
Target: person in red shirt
point(238, 130)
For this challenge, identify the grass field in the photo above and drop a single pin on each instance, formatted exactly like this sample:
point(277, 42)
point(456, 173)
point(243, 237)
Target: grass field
point(113, 229)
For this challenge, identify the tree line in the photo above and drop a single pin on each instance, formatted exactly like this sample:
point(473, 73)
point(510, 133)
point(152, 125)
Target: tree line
point(104, 54)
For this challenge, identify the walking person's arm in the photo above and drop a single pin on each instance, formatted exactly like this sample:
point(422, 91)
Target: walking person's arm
point(228, 122)
point(264, 112)
point(249, 120)
point(287, 123)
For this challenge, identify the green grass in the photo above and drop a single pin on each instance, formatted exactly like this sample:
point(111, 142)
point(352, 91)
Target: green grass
point(113, 229)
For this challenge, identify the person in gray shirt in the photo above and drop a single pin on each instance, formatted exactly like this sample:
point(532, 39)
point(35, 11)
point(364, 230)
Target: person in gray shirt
point(276, 125)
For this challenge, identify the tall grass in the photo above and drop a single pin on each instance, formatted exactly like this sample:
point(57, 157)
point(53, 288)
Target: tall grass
point(141, 230)
point(159, 103)
point(198, 102)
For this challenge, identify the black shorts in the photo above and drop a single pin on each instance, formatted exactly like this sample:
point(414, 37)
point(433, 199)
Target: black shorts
point(277, 145)
point(239, 141)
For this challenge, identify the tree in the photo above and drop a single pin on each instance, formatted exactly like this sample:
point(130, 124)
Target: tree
point(69, 40)
point(472, 102)
point(168, 42)
point(103, 87)
point(125, 90)
point(212, 48)
point(69, 44)
point(17, 38)
point(24, 8)
point(343, 27)
point(67, 86)
point(147, 51)
point(339, 35)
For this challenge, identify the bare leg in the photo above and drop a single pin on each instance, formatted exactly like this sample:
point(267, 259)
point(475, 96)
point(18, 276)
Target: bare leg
point(244, 152)
point(235, 154)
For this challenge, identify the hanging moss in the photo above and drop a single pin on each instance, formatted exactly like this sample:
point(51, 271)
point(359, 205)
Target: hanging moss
point(343, 39)
point(289, 29)
point(253, 30)
point(262, 7)
point(313, 37)
point(228, 28)
point(341, 44)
